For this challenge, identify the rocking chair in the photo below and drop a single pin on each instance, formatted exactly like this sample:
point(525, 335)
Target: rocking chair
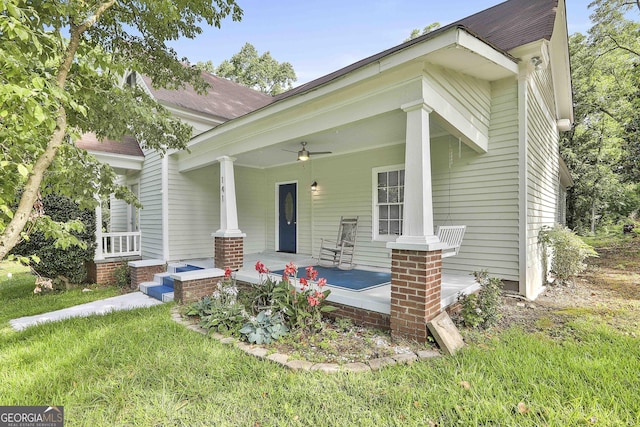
point(340, 252)
point(451, 235)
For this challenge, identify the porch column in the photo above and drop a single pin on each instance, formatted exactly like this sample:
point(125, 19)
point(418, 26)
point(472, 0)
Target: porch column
point(229, 240)
point(416, 255)
point(418, 198)
point(98, 253)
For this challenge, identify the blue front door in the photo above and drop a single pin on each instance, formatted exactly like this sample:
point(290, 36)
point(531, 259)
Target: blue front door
point(287, 217)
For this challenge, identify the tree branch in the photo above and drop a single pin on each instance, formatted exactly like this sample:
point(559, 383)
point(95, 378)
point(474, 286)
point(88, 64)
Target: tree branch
point(11, 234)
point(637, 3)
point(623, 47)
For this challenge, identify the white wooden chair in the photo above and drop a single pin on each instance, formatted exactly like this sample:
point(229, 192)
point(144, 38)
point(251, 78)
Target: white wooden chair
point(451, 235)
point(340, 252)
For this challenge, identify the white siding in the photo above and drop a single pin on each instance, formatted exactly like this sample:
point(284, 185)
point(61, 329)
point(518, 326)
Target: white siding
point(481, 191)
point(151, 199)
point(542, 178)
point(345, 188)
point(194, 212)
point(542, 81)
point(254, 201)
point(465, 94)
point(118, 217)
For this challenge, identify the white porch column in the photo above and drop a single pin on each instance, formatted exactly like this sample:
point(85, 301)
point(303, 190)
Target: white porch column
point(98, 254)
point(228, 207)
point(417, 232)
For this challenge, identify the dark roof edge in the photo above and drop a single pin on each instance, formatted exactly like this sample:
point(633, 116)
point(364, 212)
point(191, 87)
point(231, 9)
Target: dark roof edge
point(320, 81)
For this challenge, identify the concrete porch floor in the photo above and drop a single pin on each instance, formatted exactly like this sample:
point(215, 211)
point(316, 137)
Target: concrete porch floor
point(376, 299)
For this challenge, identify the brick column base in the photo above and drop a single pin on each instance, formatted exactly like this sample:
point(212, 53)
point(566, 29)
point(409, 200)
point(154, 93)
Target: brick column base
point(415, 291)
point(229, 252)
point(102, 272)
point(188, 291)
point(143, 271)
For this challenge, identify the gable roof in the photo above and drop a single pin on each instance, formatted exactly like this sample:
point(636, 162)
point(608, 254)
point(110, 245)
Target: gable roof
point(224, 98)
point(505, 26)
point(128, 146)
point(513, 23)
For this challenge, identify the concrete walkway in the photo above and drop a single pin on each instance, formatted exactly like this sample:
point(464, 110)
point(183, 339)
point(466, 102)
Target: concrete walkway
point(121, 302)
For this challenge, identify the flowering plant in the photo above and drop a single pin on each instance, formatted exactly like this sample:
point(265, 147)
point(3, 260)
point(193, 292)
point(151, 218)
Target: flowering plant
point(301, 300)
point(221, 311)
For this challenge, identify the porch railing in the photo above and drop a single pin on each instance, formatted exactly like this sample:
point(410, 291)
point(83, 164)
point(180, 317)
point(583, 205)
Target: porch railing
point(121, 244)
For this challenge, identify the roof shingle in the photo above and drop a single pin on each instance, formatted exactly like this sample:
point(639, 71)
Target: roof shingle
point(505, 26)
point(224, 98)
point(128, 146)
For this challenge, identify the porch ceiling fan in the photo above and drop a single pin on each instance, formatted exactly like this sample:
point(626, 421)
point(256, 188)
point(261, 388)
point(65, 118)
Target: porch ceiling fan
point(304, 154)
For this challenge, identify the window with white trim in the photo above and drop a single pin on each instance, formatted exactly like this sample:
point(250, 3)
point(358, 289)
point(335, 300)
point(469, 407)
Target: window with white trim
point(388, 201)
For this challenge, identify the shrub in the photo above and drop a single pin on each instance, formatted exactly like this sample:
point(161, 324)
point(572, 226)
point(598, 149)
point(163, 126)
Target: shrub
point(221, 311)
point(122, 275)
point(567, 251)
point(482, 310)
point(63, 265)
point(264, 328)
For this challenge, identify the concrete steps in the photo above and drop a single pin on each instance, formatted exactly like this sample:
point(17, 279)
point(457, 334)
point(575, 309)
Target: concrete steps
point(162, 286)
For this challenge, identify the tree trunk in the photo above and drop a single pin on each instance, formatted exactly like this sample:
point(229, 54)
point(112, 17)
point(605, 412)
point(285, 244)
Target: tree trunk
point(11, 235)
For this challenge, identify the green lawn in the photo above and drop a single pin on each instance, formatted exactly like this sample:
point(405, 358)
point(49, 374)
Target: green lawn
point(140, 368)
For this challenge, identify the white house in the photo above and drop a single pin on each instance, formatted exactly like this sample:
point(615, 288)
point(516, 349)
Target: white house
point(469, 115)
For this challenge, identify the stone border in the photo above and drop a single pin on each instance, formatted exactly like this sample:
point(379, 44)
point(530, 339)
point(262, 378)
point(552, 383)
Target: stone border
point(303, 365)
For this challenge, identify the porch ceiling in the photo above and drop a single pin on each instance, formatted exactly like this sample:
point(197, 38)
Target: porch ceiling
point(371, 133)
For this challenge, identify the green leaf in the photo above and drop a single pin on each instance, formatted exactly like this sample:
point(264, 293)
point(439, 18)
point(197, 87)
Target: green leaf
point(22, 170)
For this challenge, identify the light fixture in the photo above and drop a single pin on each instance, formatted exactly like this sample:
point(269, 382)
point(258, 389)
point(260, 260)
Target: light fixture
point(303, 155)
point(314, 186)
point(536, 61)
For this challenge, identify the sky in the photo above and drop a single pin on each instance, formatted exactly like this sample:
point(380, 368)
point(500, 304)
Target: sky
point(319, 37)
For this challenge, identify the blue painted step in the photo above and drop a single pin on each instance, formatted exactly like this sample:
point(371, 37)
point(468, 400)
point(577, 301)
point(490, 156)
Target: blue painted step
point(167, 281)
point(157, 291)
point(187, 268)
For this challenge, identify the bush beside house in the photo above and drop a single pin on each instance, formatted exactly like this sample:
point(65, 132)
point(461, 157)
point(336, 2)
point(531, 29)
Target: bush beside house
point(64, 266)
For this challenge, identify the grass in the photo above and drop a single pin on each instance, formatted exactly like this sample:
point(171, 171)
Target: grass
point(16, 293)
point(140, 368)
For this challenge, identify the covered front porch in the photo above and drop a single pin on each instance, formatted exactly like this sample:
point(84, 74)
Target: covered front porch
point(376, 299)
point(383, 154)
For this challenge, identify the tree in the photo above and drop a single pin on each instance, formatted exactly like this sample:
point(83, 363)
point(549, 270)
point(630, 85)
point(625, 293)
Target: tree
point(602, 148)
point(61, 63)
point(262, 72)
point(206, 66)
point(415, 33)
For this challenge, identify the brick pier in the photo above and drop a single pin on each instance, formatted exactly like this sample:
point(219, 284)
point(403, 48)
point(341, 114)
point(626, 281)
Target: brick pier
point(229, 252)
point(415, 291)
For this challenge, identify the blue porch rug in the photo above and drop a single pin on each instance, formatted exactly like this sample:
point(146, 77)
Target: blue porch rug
point(352, 280)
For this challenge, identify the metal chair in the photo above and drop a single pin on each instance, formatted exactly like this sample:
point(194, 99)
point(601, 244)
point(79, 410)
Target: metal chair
point(340, 252)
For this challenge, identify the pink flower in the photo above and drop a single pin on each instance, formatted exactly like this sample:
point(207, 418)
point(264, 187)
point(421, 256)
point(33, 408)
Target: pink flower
point(260, 268)
point(311, 273)
point(319, 295)
point(290, 269)
point(227, 272)
point(312, 301)
point(322, 282)
point(303, 283)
